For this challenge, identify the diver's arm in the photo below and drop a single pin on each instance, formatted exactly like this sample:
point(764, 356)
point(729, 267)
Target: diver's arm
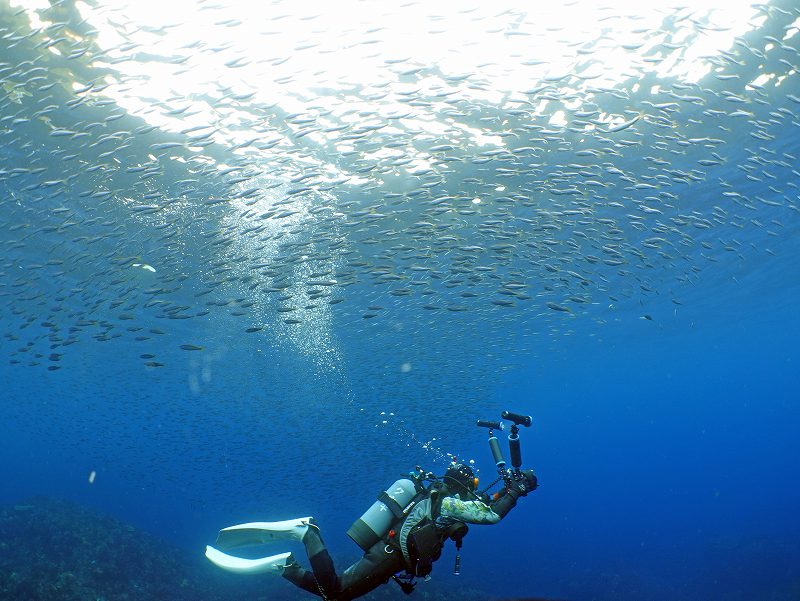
point(471, 512)
point(478, 512)
point(506, 500)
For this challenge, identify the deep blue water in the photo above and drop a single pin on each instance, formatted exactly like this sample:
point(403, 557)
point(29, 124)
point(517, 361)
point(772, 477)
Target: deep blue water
point(666, 470)
point(666, 422)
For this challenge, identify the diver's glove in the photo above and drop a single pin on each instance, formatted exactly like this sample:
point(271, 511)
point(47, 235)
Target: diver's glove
point(520, 488)
point(531, 481)
point(506, 500)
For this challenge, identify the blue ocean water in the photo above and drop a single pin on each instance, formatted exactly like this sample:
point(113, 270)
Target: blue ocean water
point(235, 295)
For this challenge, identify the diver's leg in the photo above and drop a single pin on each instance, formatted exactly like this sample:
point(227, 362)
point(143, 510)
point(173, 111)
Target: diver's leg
point(304, 579)
point(321, 562)
point(379, 564)
point(322, 580)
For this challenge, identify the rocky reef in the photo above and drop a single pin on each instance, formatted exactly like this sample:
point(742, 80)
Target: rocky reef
point(56, 550)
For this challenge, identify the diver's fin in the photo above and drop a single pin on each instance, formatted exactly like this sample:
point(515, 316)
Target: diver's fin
point(274, 563)
point(259, 533)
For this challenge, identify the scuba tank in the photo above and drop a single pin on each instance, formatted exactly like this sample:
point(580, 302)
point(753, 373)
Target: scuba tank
point(373, 525)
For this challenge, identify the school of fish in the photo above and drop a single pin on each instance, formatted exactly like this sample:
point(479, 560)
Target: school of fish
point(291, 202)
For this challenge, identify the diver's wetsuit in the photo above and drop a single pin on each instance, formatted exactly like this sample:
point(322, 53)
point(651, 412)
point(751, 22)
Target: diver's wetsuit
point(375, 568)
point(381, 561)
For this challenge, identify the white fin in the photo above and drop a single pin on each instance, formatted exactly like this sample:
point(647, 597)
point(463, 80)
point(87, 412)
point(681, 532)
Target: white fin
point(240, 565)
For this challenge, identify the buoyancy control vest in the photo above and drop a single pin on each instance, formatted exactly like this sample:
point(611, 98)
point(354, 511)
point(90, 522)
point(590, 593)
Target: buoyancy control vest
point(417, 536)
point(404, 518)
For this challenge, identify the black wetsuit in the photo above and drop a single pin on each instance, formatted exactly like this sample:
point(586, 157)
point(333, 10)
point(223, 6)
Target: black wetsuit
point(375, 568)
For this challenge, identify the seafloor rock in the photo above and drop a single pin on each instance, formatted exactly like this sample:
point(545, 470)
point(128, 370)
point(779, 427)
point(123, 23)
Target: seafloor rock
point(51, 549)
point(59, 551)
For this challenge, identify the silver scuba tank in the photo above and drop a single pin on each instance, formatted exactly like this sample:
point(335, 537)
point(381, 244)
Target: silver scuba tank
point(374, 524)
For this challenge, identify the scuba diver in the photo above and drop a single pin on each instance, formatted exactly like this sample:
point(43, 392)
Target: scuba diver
point(401, 534)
